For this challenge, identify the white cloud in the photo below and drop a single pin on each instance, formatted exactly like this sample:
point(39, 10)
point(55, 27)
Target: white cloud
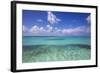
point(88, 19)
point(76, 30)
point(49, 28)
point(52, 19)
point(57, 30)
point(25, 29)
point(40, 20)
point(36, 29)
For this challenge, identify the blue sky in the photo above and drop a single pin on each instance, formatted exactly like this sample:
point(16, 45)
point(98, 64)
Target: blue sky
point(50, 23)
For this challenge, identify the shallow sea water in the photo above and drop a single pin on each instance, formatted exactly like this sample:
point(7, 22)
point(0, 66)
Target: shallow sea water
point(44, 49)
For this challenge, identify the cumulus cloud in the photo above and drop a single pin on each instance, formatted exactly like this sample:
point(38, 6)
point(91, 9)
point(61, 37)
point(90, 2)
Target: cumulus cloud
point(39, 20)
point(52, 19)
point(25, 29)
point(88, 19)
point(49, 28)
point(57, 30)
point(75, 31)
point(36, 29)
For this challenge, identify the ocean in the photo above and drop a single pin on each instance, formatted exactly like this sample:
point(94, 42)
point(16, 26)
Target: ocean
point(55, 48)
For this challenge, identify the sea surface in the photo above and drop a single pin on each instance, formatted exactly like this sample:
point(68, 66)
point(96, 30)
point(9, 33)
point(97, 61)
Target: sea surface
point(55, 48)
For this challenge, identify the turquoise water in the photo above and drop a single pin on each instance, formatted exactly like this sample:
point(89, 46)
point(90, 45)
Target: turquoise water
point(55, 48)
point(53, 40)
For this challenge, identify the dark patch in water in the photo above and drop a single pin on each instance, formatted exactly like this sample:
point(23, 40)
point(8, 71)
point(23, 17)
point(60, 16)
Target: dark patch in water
point(55, 39)
point(37, 47)
point(29, 48)
point(81, 46)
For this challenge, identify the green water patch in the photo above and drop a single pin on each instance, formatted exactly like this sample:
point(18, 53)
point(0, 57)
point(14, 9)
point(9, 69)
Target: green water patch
point(45, 53)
